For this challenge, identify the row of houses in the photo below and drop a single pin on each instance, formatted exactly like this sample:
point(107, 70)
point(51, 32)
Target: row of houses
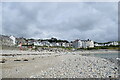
point(47, 43)
point(112, 43)
point(90, 44)
point(11, 40)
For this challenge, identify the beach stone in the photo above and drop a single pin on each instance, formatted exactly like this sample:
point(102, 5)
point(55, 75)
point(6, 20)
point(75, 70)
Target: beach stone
point(17, 60)
point(77, 66)
point(25, 60)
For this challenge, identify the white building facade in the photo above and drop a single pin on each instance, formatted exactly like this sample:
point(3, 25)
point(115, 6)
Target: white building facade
point(115, 43)
point(13, 39)
point(77, 44)
point(83, 43)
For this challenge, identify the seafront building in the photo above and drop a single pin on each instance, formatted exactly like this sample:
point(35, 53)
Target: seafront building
point(77, 43)
point(112, 43)
point(7, 40)
point(83, 43)
point(13, 39)
point(99, 44)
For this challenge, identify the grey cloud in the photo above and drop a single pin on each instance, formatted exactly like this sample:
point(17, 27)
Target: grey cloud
point(97, 21)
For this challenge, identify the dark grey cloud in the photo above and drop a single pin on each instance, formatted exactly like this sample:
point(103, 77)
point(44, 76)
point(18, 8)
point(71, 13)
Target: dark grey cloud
point(63, 20)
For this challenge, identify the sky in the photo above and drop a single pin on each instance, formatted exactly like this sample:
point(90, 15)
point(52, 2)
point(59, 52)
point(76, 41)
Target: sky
point(97, 21)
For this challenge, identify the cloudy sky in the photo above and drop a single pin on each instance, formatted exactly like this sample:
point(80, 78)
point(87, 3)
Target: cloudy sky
point(63, 20)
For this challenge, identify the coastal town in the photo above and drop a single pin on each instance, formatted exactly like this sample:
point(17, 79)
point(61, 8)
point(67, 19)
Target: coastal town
point(53, 42)
point(53, 59)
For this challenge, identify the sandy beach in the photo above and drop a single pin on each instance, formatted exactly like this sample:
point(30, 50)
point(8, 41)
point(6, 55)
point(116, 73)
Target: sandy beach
point(34, 64)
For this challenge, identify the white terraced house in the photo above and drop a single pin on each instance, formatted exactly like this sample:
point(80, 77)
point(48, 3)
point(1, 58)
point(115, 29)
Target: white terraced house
point(38, 43)
point(115, 43)
point(64, 44)
point(77, 43)
point(13, 39)
point(53, 44)
point(83, 43)
point(45, 43)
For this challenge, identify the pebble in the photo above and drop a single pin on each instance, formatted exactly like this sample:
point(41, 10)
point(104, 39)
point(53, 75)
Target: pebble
point(78, 66)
